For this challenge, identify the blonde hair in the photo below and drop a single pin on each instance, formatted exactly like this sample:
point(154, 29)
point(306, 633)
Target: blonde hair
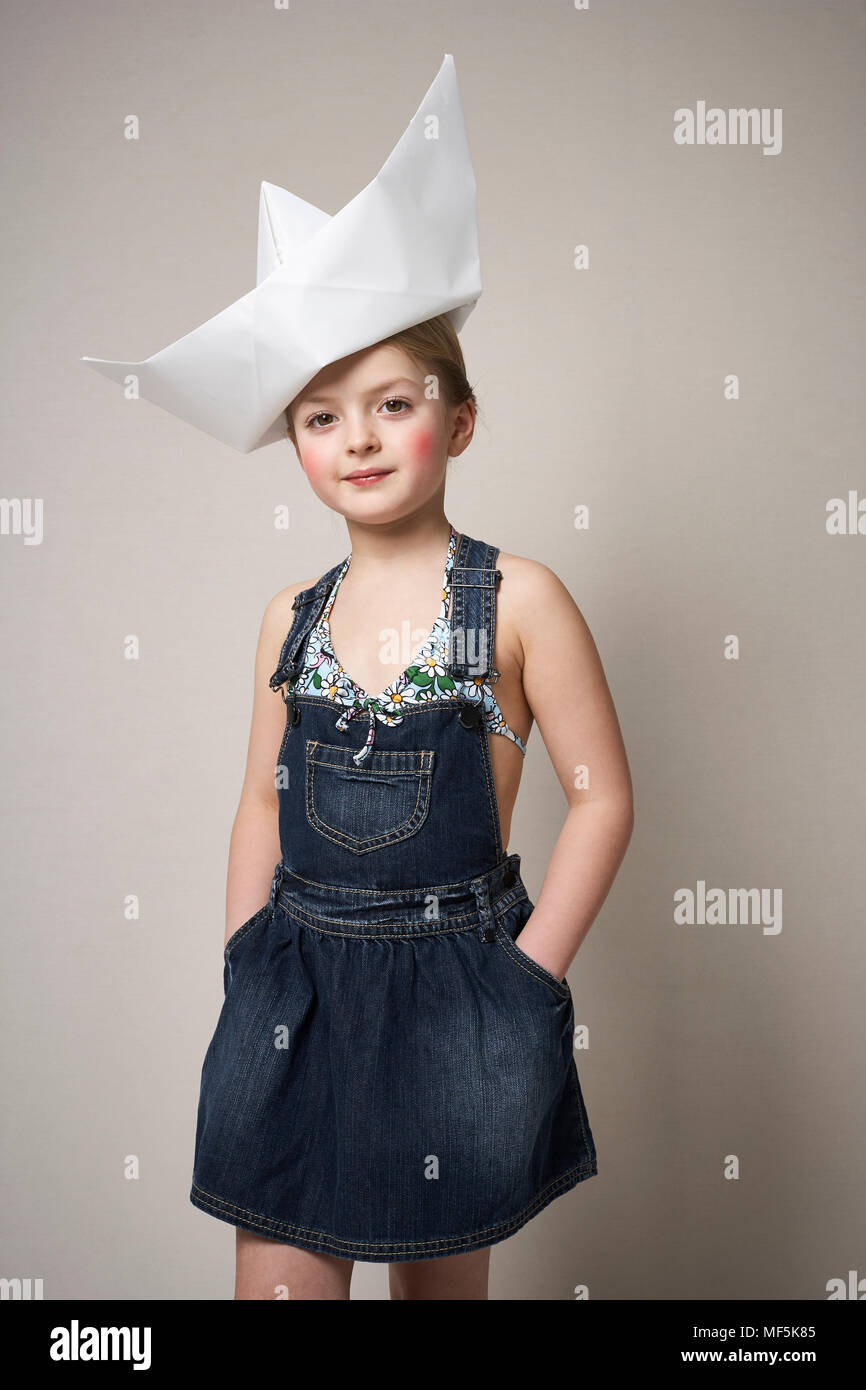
point(434, 346)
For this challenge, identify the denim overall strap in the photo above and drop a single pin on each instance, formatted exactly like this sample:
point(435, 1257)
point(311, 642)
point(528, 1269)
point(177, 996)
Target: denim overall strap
point(308, 605)
point(474, 577)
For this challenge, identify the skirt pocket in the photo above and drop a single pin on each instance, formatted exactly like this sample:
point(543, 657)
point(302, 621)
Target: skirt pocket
point(245, 928)
point(509, 926)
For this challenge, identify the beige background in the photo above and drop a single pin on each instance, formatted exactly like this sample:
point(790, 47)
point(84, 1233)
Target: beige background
point(602, 387)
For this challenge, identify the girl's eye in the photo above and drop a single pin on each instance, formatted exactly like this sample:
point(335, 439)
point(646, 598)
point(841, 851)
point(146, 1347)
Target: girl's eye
point(326, 414)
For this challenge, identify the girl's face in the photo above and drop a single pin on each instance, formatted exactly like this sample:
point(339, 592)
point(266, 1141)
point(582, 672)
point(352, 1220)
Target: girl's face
point(369, 414)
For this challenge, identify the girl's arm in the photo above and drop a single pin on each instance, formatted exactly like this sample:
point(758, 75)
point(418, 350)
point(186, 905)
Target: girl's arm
point(566, 689)
point(254, 847)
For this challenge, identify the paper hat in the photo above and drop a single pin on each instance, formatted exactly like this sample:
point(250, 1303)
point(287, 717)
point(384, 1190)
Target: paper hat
point(403, 250)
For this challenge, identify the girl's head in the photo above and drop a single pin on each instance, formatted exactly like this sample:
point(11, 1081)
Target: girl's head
point(402, 406)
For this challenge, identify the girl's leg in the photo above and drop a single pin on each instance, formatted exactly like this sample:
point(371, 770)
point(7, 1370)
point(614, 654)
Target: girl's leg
point(451, 1276)
point(266, 1268)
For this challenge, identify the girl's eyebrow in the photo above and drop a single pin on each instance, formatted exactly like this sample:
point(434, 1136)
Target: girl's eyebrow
point(307, 401)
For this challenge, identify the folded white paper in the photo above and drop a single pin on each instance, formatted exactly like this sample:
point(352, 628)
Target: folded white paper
point(403, 250)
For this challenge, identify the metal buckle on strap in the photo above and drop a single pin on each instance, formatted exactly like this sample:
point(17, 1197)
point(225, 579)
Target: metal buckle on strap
point(470, 712)
point(293, 714)
point(286, 673)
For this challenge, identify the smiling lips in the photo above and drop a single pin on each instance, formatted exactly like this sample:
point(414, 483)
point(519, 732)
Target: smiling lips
point(369, 475)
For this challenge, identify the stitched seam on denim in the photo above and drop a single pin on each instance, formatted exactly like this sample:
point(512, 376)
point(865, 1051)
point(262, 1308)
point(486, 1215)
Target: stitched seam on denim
point(413, 707)
point(413, 929)
point(530, 967)
point(307, 620)
point(286, 733)
point(486, 586)
point(421, 759)
point(581, 1108)
point(488, 600)
point(526, 963)
point(464, 549)
point(492, 803)
point(506, 864)
point(460, 598)
point(503, 904)
point(245, 927)
point(450, 702)
point(588, 1169)
point(301, 624)
point(374, 774)
point(357, 843)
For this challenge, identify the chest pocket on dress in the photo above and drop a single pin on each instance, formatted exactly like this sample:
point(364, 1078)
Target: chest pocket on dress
point(365, 808)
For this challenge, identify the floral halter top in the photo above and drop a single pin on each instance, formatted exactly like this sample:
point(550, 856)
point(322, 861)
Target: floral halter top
point(426, 678)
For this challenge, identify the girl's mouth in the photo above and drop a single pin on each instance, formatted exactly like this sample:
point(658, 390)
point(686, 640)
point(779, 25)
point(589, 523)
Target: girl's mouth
point(371, 475)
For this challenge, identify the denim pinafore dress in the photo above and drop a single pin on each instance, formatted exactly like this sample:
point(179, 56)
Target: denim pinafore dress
point(391, 1077)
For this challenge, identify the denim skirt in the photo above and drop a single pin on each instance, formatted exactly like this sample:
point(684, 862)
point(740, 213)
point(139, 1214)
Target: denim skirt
point(387, 1085)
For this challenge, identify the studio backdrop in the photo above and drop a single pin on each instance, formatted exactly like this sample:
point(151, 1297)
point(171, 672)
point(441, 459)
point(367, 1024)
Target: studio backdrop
point(668, 359)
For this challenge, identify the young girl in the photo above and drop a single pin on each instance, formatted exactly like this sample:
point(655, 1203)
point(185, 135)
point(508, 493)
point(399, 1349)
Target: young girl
point(392, 1076)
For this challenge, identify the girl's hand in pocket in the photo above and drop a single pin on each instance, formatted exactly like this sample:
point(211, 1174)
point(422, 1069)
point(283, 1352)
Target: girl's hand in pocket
point(536, 944)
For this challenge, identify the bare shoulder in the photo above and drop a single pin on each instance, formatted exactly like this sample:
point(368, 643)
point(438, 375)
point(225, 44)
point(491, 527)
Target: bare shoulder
point(279, 615)
point(536, 604)
point(530, 581)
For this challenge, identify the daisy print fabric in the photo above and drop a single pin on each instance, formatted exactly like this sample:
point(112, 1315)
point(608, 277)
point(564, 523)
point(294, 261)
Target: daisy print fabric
point(426, 678)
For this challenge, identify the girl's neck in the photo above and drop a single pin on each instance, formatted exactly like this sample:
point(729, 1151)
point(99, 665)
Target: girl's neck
point(411, 543)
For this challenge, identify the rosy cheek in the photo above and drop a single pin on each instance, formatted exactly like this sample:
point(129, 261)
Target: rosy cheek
point(422, 445)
